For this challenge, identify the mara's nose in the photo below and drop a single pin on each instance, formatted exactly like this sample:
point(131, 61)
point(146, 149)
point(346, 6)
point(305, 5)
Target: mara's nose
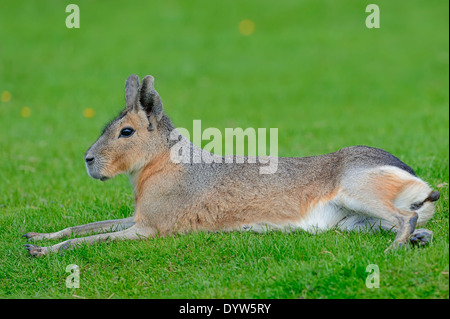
point(89, 160)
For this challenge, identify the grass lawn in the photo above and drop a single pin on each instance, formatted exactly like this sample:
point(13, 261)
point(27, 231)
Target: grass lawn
point(309, 68)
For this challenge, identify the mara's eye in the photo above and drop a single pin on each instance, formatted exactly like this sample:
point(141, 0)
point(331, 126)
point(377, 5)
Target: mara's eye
point(126, 132)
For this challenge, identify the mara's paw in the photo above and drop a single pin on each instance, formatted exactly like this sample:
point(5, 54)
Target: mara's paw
point(35, 251)
point(421, 237)
point(33, 236)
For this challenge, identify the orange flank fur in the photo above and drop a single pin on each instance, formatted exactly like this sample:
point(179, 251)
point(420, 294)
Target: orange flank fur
point(388, 186)
point(221, 209)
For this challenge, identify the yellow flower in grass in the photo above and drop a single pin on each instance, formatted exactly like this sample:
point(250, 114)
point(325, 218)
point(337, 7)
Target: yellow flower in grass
point(25, 111)
point(88, 113)
point(6, 96)
point(246, 27)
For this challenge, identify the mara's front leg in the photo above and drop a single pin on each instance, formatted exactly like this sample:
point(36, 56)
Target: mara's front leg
point(132, 233)
point(97, 227)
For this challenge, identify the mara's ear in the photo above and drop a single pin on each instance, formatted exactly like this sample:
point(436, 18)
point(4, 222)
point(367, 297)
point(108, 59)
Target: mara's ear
point(131, 90)
point(150, 102)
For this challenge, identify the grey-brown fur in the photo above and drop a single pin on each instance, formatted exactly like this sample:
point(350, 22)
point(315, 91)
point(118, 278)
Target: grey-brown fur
point(355, 188)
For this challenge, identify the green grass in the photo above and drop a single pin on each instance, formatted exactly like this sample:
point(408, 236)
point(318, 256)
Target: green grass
point(311, 69)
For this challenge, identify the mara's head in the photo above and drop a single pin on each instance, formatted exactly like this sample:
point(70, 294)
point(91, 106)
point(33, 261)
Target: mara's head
point(136, 136)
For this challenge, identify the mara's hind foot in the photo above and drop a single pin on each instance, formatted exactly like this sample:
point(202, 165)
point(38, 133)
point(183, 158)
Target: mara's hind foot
point(407, 226)
point(421, 237)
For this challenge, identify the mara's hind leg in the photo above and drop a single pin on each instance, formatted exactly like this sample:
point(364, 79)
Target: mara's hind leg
point(406, 225)
point(403, 223)
point(393, 195)
point(364, 223)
